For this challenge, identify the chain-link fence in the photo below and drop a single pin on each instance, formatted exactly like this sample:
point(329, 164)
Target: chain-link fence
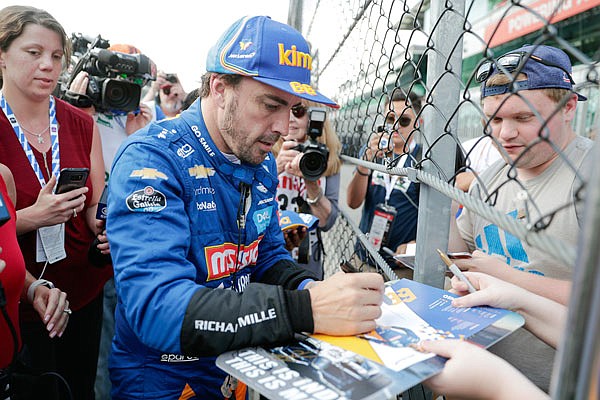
point(525, 208)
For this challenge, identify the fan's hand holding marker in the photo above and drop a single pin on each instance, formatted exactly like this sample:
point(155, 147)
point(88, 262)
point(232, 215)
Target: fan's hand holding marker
point(456, 271)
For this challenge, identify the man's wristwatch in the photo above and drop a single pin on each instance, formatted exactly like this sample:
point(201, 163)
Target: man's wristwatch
point(31, 290)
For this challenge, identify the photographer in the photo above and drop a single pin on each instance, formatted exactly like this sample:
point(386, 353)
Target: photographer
point(394, 196)
point(115, 125)
point(166, 95)
point(317, 195)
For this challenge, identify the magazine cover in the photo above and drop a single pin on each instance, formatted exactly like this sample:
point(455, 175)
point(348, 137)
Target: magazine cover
point(378, 364)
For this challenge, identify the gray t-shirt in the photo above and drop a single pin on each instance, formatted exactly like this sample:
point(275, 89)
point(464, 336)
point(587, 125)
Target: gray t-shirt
point(554, 189)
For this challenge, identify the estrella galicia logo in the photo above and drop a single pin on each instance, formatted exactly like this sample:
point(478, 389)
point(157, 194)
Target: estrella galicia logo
point(146, 200)
point(262, 218)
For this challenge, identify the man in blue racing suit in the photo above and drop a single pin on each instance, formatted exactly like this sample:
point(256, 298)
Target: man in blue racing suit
point(200, 262)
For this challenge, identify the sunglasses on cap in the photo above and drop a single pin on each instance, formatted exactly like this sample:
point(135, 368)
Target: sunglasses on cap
point(512, 61)
point(299, 110)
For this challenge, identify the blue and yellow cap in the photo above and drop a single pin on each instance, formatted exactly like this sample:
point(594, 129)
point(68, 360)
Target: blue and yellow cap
point(291, 220)
point(268, 51)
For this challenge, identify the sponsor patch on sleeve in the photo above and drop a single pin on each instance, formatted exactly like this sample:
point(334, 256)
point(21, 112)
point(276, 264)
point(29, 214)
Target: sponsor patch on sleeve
point(148, 173)
point(200, 171)
point(147, 199)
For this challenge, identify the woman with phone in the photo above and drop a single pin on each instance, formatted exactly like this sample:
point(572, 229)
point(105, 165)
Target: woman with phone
point(43, 135)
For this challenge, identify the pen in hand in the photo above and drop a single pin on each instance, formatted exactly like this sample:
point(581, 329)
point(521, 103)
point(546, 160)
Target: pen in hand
point(456, 271)
point(348, 268)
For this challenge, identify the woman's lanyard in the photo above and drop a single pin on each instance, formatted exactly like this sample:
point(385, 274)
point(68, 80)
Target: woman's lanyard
point(25, 144)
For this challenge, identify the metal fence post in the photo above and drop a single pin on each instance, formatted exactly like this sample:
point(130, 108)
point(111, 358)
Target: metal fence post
point(443, 94)
point(577, 361)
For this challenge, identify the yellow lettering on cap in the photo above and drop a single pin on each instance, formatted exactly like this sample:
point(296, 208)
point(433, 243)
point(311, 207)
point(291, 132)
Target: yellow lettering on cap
point(294, 58)
point(300, 88)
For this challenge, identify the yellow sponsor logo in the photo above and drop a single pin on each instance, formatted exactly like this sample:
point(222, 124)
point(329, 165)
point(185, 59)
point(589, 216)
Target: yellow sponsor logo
point(301, 88)
point(245, 45)
point(294, 58)
point(148, 173)
point(200, 171)
point(403, 295)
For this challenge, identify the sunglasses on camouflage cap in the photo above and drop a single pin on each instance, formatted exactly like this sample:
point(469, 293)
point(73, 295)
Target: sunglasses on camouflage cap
point(511, 62)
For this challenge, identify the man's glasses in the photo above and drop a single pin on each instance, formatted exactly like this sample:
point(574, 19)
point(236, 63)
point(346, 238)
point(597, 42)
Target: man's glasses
point(512, 61)
point(299, 110)
point(403, 121)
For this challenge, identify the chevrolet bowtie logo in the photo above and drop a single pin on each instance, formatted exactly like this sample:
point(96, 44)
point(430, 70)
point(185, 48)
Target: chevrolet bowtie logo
point(200, 171)
point(148, 173)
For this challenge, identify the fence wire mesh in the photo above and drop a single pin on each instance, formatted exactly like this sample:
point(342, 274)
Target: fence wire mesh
point(369, 52)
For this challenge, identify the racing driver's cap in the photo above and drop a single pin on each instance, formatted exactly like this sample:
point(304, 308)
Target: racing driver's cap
point(269, 52)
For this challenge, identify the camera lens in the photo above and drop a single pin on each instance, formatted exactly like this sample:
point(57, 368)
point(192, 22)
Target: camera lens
point(120, 95)
point(313, 164)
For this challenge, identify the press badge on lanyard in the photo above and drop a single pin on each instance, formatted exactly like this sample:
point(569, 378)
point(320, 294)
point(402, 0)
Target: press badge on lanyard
point(383, 217)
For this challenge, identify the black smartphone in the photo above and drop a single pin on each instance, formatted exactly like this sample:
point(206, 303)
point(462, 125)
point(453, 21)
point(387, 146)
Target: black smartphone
point(71, 179)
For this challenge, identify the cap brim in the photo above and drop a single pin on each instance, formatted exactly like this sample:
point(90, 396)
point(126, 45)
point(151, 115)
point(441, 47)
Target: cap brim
point(287, 87)
point(292, 220)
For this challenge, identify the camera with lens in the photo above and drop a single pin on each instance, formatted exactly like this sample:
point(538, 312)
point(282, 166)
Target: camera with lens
point(166, 87)
point(384, 140)
point(115, 79)
point(314, 160)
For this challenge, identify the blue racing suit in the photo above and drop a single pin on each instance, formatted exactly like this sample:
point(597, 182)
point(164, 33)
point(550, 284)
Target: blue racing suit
point(178, 214)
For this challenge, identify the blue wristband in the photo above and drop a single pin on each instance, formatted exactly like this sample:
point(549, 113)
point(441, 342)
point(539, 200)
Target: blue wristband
point(303, 284)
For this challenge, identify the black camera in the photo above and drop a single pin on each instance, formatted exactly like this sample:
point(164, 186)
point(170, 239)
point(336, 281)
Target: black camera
point(115, 78)
point(166, 87)
point(314, 161)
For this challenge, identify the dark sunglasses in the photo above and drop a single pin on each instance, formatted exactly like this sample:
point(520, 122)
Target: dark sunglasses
point(403, 121)
point(299, 111)
point(512, 61)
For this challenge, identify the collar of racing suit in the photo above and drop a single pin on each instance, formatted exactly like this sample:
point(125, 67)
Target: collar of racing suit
point(243, 172)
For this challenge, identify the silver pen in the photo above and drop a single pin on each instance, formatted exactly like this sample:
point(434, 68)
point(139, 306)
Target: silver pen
point(456, 271)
